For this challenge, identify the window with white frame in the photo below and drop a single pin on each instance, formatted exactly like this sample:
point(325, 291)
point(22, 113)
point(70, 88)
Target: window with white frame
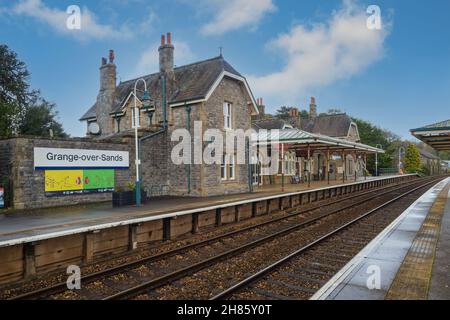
point(287, 166)
point(227, 115)
point(223, 168)
point(232, 168)
point(228, 167)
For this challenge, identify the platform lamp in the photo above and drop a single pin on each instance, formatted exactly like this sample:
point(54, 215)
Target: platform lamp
point(145, 100)
point(376, 159)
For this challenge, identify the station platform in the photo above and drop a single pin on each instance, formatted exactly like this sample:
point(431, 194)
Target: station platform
point(409, 260)
point(35, 225)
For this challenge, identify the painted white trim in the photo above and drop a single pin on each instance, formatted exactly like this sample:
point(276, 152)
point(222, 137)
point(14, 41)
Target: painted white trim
point(357, 130)
point(181, 104)
point(431, 133)
point(233, 76)
point(340, 277)
point(126, 101)
point(102, 226)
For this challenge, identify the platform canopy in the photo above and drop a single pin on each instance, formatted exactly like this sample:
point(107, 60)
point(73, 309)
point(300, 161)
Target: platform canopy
point(435, 135)
point(300, 139)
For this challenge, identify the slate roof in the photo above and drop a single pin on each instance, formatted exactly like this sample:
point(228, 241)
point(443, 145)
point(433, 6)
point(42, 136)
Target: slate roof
point(428, 155)
point(270, 124)
point(334, 125)
point(189, 82)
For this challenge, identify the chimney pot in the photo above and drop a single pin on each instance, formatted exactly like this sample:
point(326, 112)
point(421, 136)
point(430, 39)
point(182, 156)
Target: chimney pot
point(111, 56)
point(166, 53)
point(313, 108)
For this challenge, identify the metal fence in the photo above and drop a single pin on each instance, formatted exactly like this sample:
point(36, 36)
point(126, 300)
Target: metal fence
point(387, 171)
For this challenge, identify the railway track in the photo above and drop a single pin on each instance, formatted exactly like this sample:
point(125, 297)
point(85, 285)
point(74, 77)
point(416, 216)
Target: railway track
point(303, 272)
point(163, 269)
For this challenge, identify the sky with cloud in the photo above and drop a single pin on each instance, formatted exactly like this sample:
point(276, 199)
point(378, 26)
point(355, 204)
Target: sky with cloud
point(397, 77)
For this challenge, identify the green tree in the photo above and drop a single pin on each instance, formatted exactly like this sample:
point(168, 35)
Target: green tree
point(444, 155)
point(283, 113)
point(412, 159)
point(14, 90)
point(40, 119)
point(374, 136)
point(22, 111)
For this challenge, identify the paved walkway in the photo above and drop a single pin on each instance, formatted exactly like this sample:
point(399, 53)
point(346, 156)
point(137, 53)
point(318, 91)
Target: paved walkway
point(411, 257)
point(37, 223)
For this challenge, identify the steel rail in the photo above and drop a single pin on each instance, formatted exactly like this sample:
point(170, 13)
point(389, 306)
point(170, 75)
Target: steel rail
point(177, 274)
point(62, 286)
point(262, 273)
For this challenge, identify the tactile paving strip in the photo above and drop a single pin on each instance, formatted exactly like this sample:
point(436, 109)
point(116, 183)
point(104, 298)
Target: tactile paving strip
point(413, 278)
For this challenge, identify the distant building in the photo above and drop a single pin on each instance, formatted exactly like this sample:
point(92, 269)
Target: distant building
point(430, 162)
point(339, 126)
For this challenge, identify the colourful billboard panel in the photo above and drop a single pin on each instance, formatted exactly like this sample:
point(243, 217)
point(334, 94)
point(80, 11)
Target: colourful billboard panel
point(98, 179)
point(63, 180)
point(70, 182)
point(2, 197)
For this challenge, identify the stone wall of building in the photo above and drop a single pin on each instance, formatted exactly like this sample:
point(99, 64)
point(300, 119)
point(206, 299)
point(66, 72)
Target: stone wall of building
point(6, 159)
point(233, 92)
point(16, 161)
point(158, 168)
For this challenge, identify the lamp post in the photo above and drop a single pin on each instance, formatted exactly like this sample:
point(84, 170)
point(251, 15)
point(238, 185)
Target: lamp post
point(400, 149)
point(376, 159)
point(145, 100)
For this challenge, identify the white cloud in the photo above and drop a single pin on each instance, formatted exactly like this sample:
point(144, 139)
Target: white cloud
point(56, 19)
point(231, 15)
point(149, 60)
point(322, 54)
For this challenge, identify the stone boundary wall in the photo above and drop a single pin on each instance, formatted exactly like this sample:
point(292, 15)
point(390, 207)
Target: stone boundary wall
point(17, 163)
point(31, 259)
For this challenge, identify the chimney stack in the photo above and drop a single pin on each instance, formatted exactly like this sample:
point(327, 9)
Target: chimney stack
point(261, 107)
point(105, 98)
point(166, 51)
point(108, 73)
point(313, 108)
point(295, 119)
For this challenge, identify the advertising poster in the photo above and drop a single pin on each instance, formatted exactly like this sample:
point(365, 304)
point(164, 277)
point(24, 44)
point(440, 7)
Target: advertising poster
point(2, 198)
point(71, 182)
point(101, 180)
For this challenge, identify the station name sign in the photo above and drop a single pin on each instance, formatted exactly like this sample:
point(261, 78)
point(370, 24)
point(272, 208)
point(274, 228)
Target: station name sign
point(58, 158)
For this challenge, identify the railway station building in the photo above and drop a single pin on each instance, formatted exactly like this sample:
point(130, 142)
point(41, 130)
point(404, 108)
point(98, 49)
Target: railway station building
point(316, 148)
point(210, 92)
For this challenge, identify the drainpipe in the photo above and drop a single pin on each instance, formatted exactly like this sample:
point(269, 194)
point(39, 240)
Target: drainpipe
point(164, 102)
point(188, 127)
point(164, 129)
point(250, 173)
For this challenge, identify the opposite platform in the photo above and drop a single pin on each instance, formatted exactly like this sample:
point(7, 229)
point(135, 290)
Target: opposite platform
point(404, 256)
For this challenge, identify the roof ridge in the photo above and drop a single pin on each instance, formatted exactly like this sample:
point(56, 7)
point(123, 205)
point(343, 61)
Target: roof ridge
point(176, 68)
